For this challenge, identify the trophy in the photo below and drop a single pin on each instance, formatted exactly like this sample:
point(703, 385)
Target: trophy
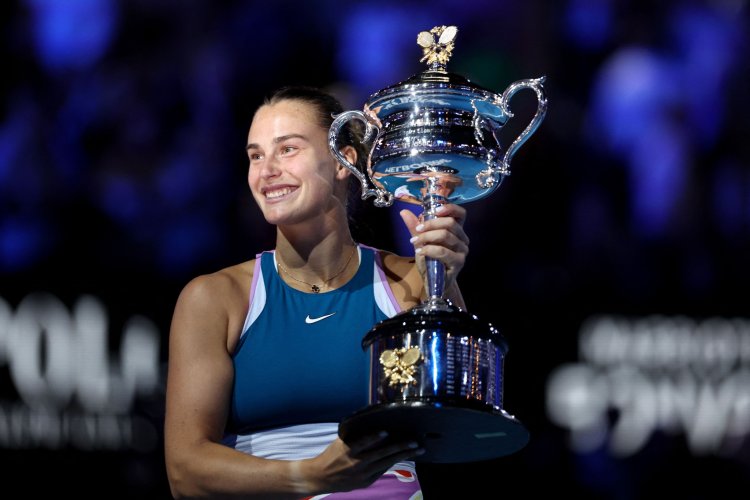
point(436, 371)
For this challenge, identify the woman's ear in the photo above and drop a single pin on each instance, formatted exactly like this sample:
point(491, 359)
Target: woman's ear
point(350, 154)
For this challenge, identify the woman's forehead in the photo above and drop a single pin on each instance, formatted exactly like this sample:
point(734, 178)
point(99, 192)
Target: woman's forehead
point(294, 109)
point(285, 117)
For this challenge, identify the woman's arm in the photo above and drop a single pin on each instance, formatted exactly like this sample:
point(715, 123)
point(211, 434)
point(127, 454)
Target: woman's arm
point(199, 386)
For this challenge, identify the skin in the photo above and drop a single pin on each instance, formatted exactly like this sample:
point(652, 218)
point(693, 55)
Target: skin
point(301, 189)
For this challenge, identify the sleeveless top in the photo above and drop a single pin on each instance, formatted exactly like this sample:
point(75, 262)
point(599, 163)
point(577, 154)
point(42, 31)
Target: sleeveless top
point(299, 359)
point(300, 369)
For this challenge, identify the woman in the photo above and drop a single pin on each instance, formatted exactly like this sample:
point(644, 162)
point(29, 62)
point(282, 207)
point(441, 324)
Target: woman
point(265, 356)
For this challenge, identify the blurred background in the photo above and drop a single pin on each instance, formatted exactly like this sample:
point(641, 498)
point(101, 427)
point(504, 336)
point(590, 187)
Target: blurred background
point(613, 259)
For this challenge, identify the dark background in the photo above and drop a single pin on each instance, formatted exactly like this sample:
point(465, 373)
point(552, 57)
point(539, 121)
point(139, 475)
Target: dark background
point(123, 175)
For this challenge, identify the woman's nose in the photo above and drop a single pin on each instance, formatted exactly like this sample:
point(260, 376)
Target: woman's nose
point(269, 168)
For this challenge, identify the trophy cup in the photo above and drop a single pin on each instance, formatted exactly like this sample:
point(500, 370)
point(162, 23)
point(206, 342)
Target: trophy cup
point(436, 372)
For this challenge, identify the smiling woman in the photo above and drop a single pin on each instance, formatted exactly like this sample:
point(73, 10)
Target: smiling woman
point(265, 356)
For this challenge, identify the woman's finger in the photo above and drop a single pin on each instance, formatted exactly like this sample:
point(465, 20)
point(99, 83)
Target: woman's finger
point(367, 442)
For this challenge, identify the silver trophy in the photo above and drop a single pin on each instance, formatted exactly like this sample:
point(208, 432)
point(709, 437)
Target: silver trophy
point(436, 372)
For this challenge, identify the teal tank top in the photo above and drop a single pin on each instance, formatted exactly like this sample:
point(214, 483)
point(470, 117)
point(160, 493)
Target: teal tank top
point(300, 357)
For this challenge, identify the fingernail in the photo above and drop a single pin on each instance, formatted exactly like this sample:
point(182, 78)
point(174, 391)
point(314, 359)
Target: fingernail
point(413, 239)
point(418, 250)
point(419, 227)
point(440, 208)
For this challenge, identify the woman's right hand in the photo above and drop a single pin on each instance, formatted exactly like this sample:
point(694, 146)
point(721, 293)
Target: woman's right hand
point(344, 467)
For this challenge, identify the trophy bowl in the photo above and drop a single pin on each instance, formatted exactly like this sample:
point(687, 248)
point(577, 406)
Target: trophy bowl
point(436, 371)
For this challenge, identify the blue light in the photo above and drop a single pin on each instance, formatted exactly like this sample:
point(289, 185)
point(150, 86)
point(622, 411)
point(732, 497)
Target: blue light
point(588, 23)
point(377, 47)
point(23, 240)
point(658, 165)
point(74, 33)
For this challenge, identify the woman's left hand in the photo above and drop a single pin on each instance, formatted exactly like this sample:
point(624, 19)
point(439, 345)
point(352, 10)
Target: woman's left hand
point(441, 238)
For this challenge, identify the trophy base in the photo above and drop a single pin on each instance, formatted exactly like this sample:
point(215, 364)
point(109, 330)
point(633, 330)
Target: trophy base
point(448, 434)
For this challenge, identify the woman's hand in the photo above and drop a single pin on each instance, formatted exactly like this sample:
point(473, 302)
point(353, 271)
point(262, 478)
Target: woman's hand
point(441, 238)
point(343, 467)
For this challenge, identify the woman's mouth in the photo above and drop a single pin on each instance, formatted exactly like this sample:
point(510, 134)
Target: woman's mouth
point(275, 193)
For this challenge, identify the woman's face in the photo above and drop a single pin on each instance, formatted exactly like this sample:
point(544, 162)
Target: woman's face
point(292, 173)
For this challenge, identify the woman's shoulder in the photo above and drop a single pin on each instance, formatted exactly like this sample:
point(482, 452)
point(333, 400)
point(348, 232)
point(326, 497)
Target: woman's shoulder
point(403, 277)
point(395, 264)
point(226, 283)
point(213, 305)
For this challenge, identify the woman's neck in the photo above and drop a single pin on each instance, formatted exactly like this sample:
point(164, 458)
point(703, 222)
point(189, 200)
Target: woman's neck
point(316, 260)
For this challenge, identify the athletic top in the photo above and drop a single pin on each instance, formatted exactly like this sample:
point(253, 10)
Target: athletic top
point(300, 369)
point(299, 359)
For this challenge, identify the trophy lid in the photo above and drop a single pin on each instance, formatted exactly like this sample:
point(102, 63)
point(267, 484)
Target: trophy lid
point(437, 48)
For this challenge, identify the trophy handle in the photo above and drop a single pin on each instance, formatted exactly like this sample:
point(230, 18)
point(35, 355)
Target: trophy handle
point(382, 197)
point(490, 176)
